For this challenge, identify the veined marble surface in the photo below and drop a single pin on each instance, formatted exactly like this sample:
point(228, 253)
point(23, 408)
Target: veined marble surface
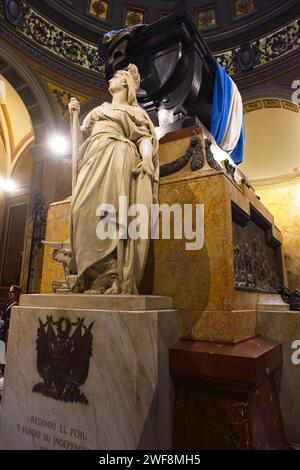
point(103, 302)
point(284, 327)
point(128, 385)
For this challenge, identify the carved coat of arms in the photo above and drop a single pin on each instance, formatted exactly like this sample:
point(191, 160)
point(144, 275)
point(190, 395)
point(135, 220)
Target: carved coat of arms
point(63, 356)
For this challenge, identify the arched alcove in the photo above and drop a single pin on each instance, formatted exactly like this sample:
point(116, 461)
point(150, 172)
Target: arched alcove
point(272, 163)
point(30, 92)
point(272, 149)
point(15, 167)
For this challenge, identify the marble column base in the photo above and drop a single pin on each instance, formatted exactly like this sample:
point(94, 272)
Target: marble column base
point(128, 387)
point(225, 395)
point(284, 327)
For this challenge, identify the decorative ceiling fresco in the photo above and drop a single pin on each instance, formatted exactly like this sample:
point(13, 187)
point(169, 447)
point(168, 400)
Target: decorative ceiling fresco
point(100, 9)
point(252, 39)
point(243, 7)
point(134, 16)
point(213, 17)
point(62, 97)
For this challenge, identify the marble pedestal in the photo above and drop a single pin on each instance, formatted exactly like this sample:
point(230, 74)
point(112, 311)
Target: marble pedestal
point(203, 282)
point(282, 325)
point(127, 387)
point(225, 395)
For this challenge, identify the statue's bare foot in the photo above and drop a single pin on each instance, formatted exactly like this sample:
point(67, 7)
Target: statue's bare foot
point(115, 288)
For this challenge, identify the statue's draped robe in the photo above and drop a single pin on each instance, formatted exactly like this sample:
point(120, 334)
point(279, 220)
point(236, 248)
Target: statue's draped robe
point(110, 158)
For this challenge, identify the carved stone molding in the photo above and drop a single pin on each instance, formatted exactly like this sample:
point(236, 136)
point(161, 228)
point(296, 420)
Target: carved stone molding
point(262, 51)
point(55, 48)
point(59, 345)
point(194, 154)
point(60, 43)
point(14, 11)
point(59, 49)
point(287, 178)
point(267, 103)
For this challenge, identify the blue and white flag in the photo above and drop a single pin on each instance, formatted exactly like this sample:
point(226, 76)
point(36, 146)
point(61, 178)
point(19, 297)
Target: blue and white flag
point(227, 122)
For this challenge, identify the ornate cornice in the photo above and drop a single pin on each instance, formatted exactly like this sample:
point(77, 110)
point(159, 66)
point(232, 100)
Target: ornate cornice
point(262, 51)
point(267, 103)
point(265, 182)
point(55, 48)
point(60, 43)
point(270, 71)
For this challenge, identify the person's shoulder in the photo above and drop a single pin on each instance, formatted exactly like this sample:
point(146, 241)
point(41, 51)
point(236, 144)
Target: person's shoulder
point(4, 305)
point(4, 308)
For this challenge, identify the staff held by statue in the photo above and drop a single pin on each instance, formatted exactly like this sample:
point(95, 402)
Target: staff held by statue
point(74, 108)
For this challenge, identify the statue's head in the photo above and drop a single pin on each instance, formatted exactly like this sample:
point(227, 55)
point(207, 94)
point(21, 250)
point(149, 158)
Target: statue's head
point(129, 79)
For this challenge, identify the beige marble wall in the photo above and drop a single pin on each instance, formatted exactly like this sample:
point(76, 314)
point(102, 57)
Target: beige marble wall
point(283, 200)
point(201, 282)
point(57, 231)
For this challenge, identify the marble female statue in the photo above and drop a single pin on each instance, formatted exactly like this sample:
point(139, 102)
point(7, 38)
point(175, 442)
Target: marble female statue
point(118, 158)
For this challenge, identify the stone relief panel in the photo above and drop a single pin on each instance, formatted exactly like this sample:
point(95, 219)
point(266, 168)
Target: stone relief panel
point(63, 349)
point(256, 255)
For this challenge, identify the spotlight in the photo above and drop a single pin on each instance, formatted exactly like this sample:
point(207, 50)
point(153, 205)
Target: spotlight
point(58, 144)
point(8, 185)
point(2, 92)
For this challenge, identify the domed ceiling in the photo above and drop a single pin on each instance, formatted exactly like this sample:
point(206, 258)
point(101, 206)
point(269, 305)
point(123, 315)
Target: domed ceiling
point(254, 40)
point(223, 22)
